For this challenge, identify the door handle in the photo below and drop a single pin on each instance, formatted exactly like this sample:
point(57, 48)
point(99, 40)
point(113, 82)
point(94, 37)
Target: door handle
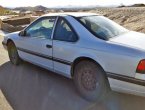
point(49, 46)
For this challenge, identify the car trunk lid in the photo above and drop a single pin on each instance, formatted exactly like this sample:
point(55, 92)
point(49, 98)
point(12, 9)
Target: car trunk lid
point(131, 38)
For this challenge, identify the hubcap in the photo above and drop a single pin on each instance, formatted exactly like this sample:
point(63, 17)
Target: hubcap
point(89, 80)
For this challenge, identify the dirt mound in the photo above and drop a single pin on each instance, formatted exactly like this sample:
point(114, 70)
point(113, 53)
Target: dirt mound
point(16, 24)
point(18, 21)
point(132, 18)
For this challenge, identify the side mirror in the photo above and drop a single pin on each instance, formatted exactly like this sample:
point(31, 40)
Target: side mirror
point(22, 33)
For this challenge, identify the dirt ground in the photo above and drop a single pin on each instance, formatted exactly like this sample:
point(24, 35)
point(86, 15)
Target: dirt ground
point(4, 105)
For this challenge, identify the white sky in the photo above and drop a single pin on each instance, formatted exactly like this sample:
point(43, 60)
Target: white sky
point(52, 3)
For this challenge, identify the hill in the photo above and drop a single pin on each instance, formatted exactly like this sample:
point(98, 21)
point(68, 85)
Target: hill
point(4, 11)
point(36, 8)
point(134, 5)
point(138, 5)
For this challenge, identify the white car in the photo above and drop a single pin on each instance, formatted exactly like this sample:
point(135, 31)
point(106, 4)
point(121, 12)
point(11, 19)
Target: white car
point(94, 51)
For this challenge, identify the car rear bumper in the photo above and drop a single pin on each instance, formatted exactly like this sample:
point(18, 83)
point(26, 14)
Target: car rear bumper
point(127, 87)
point(127, 84)
point(4, 45)
point(140, 76)
point(138, 80)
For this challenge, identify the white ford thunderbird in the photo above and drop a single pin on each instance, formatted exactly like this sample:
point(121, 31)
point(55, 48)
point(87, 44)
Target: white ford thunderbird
point(95, 52)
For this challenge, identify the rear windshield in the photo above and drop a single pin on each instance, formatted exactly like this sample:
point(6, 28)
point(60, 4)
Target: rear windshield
point(102, 27)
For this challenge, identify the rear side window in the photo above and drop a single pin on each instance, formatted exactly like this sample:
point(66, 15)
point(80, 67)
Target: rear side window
point(64, 31)
point(102, 27)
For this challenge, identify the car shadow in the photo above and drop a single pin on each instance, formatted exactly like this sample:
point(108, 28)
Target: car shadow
point(29, 87)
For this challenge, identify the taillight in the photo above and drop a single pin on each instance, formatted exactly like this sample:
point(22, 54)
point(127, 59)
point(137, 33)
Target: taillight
point(141, 67)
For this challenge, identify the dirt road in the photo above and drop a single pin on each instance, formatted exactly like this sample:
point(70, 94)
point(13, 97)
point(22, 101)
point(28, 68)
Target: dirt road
point(28, 87)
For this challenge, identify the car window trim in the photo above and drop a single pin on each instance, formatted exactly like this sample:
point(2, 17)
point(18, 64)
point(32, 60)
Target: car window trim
point(71, 27)
point(77, 18)
point(55, 24)
point(37, 20)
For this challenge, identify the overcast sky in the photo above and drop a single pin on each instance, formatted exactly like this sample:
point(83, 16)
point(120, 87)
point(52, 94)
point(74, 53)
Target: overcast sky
point(53, 3)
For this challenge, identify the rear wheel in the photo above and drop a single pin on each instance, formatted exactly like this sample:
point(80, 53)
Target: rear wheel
point(90, 81)
point(13, 53)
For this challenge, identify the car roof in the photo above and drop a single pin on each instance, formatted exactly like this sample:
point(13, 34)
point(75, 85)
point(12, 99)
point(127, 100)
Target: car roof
point(75, 14)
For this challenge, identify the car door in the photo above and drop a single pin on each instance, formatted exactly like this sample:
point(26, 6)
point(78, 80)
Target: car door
point(64, 40)
point(36, 45)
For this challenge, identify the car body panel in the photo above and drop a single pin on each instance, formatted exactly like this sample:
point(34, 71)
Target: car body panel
point(126, 87)
point(30, 47)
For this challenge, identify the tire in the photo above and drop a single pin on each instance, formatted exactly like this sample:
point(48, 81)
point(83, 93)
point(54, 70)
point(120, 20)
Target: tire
point(90, 81)
point(13, 54)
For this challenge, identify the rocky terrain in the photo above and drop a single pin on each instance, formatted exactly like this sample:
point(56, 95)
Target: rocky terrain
point(132, 17)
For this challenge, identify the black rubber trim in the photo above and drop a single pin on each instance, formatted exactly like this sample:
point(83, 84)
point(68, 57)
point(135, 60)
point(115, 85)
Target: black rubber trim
point(62, 61)
point(126, 78)
point(45, 56)
point(35, 53)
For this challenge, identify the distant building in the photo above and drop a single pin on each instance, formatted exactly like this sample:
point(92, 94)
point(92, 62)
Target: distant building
point(28, 12)
point(16, 11)
point(38, 13)
point(22, 13)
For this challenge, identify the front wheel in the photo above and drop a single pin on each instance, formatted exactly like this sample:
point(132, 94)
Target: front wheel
point(90, 81)
point(13, 54)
